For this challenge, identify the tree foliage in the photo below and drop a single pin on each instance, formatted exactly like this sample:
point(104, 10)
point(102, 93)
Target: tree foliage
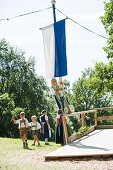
point(107, 21)
point(102, 79)
point(6, 108)
point(18, 79)
point(21, 84)
point(86, 98)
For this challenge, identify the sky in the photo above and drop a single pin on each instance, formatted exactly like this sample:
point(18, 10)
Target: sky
point(83, 47)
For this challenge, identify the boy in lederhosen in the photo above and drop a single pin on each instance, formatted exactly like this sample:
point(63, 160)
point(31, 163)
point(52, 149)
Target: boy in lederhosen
point(35, 126)
point(23, 125)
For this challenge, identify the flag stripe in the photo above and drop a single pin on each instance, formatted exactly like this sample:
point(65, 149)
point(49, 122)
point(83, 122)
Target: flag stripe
point(60, 49)
point(49, 49)
point(55, 49)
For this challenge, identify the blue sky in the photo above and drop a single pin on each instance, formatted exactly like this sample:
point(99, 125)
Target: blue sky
point(83, 47)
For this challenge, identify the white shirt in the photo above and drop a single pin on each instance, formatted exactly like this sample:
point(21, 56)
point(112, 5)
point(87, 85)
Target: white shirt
point(53, 91)
point(22, 123)
point(46, 117)
point(35, 125)
point(58, 117)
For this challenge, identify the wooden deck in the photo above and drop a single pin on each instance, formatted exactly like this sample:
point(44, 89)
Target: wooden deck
point(97, 143)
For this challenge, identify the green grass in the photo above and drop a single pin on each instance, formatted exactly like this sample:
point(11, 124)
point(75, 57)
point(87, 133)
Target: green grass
point(11, 144)
point(14, 157)
point(11, 151)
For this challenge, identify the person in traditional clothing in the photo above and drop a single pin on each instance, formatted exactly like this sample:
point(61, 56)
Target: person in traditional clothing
point(35, 126)
point(59, 129)
point(57, 91)
point(45, 126)
point(23, 126)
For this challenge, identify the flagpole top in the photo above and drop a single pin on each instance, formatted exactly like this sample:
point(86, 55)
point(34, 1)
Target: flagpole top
point(53, 2)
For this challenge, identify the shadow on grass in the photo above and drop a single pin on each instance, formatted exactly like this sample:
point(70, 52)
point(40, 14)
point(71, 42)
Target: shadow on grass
point(28, 148)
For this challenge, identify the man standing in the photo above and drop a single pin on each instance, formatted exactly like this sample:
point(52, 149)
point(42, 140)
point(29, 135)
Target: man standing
point(45, 126)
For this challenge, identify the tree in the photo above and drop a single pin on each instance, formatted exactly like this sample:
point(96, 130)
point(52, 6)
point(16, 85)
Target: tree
point(19, 80)
point(6, 107)
point(102, 79)
point(107, 21)
point(24, 87)
point(84, 97)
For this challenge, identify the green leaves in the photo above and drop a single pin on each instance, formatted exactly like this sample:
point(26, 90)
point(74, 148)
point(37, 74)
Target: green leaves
point(107, 21)
point(102, 79)
point(20, 87)
point(18, 79)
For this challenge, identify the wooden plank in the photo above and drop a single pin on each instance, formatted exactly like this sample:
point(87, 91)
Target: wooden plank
point(77, 136)
point(78, 113)
point(95, 118)
point(73, 137)
point(48, 158)
point(105, 127)
point(83, 119)
point(65, 129)
point(105, 118)
point(104, 108)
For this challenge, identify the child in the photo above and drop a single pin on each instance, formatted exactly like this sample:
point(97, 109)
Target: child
point(45, 126)
point(23, 125)
point(57, 91)
point(35, 126)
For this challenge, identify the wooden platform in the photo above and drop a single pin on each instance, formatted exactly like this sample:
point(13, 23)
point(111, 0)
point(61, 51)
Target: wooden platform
point(97, 143)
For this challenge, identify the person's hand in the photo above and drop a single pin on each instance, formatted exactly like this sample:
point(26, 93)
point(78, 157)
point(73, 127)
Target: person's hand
point(87, 118)
point(29, 129)
point(49, 127)
point(12, 118)
point(56, 129)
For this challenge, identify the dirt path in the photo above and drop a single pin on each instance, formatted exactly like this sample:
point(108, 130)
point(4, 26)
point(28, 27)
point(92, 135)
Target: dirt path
point(35, 158)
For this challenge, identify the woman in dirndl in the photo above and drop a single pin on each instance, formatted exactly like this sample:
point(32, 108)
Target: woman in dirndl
point(59, 134)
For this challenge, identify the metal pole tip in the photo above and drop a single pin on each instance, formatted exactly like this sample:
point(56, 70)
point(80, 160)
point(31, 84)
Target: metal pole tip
point(53, 2)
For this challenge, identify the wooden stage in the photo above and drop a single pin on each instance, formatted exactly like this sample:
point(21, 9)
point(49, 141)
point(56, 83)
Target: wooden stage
point(97, 143)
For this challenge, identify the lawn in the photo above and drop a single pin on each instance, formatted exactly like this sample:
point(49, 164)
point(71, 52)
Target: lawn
point(14, 157)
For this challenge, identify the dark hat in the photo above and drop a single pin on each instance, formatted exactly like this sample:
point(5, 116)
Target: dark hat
point(22, 113)
point(43, 111)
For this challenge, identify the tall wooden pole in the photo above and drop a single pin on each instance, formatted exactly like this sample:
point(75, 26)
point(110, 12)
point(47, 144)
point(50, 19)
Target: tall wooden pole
point(65, 129)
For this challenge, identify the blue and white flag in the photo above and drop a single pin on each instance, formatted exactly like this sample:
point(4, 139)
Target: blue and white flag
point(55, 49)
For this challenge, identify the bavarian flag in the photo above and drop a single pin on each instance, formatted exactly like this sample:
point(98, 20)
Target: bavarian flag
point(54, 40)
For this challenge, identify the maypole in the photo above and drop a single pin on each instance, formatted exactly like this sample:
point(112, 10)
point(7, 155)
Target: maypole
point(53, 6)
point(54, 17)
